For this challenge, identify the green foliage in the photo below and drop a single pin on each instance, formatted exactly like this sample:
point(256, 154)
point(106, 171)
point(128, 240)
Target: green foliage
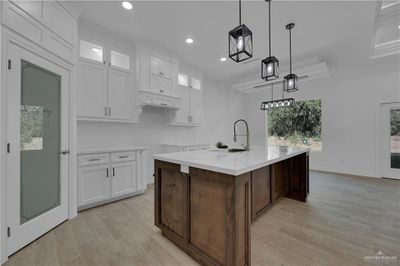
point(395, 123)
point(31, 123)
point(302, 120)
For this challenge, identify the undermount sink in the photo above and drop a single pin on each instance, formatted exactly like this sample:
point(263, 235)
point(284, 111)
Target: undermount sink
point(236, 150)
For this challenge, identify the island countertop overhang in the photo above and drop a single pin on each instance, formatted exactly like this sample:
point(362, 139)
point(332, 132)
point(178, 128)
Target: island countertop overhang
point(233, 164)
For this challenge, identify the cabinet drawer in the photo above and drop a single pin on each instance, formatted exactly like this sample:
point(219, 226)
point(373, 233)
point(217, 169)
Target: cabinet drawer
point(162, 101)
point(93, 159)
point(123, 156)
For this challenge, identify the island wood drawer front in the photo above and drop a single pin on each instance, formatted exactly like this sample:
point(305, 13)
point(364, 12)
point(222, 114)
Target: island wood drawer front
point(93, 159)
point(123, 156)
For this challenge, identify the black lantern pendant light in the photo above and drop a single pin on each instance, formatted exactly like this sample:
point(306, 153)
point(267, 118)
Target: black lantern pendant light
point(291, 81)
point(267, 105)
point(240, 41)
point(270, 65)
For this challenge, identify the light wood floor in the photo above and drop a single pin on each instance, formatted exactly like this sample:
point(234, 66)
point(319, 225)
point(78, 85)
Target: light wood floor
point(345, 219)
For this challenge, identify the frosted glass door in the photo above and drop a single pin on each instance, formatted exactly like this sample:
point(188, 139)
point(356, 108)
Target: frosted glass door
point(40, 141)
point(38, 147)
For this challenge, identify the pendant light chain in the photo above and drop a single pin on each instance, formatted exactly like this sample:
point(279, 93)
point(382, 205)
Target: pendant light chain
point(240, 12)
point(290, 49)
point(269, 33)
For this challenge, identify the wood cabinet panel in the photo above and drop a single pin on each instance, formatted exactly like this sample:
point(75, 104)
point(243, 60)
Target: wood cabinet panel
point(208, 213)
point(172, 200)
point(298, 185)
point(260, 190)
point(280, 179)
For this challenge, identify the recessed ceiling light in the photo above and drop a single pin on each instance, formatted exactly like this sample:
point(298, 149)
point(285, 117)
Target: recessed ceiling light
point(399, 26)
point(222, 59)
point(189, 40)
point(127, 5)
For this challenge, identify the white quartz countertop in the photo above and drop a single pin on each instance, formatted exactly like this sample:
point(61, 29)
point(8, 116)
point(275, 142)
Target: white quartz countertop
point(121, 149)
point(230, 163)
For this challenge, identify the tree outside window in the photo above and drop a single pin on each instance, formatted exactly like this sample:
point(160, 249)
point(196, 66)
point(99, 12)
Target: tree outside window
point(298, 125)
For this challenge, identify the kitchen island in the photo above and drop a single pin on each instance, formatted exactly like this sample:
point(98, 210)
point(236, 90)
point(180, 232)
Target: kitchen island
point(205, 201)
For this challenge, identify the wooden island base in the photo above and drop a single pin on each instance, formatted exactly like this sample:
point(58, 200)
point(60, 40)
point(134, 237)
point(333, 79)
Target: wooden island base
point(208, 214)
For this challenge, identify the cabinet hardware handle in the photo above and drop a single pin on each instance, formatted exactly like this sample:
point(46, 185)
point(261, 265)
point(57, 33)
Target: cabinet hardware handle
point(94, 160)
point(104, 62)
point(106, 172)
point(109, 111)
point(113, 171)
point(109, 63)
point(123, 157)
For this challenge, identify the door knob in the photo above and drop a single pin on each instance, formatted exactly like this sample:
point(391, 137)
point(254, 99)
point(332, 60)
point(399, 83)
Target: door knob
point(65, 152)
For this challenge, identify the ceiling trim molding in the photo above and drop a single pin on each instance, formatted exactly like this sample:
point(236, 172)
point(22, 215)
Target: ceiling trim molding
point(306, 73)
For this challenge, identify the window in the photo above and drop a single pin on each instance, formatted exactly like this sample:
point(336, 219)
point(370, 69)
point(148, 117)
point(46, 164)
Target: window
point(297, 125)
point(91, 51)
point(395, 139)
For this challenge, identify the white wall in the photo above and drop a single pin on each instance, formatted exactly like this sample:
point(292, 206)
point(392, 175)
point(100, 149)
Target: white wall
point(351, 99)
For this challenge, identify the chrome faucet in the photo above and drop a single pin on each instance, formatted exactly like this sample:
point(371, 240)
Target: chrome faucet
point(247, 147)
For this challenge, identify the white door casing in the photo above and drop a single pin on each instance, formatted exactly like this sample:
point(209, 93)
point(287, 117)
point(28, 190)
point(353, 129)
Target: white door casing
point(385, 140)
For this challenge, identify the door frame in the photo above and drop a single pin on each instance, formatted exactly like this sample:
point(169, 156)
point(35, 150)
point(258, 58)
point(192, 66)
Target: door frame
point(384, 171)
point(8, 37)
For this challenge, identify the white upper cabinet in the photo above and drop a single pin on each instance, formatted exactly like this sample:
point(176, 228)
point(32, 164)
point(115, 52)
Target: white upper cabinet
point(92, 90)
point(189, 89)
point(105, 84)
point(182, 116)
point(91, 51)
point(196, 106)
point(156, 78)
point(120, 95)
point(47, 23)
point(160, 67)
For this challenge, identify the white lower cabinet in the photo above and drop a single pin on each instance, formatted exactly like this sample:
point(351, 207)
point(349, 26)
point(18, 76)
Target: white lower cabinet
point(123, 178)
point(94, 184)
point(108, 176)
